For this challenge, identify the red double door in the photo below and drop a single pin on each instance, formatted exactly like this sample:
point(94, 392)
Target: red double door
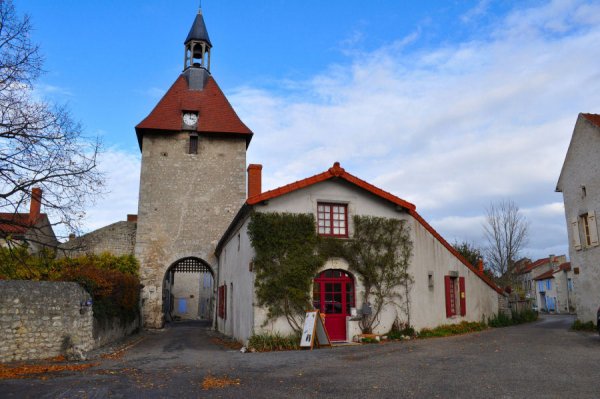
point(333, 295)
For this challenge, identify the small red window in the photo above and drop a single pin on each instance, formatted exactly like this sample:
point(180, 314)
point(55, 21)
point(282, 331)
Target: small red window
point(332, 219)
point(222, 302)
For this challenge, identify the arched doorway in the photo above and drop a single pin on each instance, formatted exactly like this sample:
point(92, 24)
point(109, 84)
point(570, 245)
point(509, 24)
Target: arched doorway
point(188, 291)
point(333, 295)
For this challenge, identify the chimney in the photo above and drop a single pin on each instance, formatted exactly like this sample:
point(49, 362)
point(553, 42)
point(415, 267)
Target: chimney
point(36, 204)
point(132, 218)
point(551, 259)
point(254, 180)
point(72, 236)
point(480, 266)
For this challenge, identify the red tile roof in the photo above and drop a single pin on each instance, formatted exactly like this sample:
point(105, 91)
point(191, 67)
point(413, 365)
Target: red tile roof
point(15, 223)
point(216, 115)
point(338, 172)
point(533, 265)
point(594, 118)
point(565, 266)
point(550, 273)
point(545, 275)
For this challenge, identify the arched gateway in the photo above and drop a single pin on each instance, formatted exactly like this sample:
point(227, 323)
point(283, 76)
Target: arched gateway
point(188, 290)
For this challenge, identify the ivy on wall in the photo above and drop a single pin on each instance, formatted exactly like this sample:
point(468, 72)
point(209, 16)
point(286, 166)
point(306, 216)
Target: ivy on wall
point(289, 253)
point(380, 253)
point(285, 263)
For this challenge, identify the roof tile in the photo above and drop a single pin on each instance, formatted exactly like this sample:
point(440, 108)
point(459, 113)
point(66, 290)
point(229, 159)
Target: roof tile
point(216, 115)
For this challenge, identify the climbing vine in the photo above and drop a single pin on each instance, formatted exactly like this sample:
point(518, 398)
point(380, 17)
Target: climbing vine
point(289, 253)
point(285, 263)
point(380, 253)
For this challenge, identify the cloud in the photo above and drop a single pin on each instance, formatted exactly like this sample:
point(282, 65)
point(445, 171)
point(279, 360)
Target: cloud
point(449, 127)
point(122, 171)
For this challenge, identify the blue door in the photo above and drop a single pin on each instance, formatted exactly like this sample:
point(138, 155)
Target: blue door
point(182, 306)
point(551, 303)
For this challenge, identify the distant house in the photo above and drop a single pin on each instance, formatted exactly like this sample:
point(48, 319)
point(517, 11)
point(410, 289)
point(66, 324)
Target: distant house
point(579, 182)
point(32, 229)
point(554, 290)
point(446, 290)
point(527, 271)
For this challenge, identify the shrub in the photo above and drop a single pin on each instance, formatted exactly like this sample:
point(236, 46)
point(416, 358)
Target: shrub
point(112, 281)
point(274, 342)
point(502, 320)
point(400, 330)
point(578, 325)
point(452, 329)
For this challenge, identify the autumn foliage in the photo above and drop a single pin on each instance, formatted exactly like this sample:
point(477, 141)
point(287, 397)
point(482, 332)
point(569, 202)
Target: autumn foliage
point(112, 281)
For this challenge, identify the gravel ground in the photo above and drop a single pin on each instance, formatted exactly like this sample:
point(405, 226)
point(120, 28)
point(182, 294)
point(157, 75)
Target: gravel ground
point(537, 360)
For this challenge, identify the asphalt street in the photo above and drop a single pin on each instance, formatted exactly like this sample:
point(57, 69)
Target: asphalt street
point(537, 360)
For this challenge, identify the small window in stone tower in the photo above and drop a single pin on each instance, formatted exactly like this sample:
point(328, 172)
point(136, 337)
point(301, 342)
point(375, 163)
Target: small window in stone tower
point(193, 144)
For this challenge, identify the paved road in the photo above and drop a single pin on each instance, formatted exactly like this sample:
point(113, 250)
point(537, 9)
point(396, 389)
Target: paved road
point(537, 360)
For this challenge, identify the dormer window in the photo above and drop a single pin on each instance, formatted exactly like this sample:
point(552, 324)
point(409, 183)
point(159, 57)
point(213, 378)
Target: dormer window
point(332, 219)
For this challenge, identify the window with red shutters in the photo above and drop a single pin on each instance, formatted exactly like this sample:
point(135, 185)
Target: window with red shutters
point(456, 300)
point(222, 302)
point(332, 219)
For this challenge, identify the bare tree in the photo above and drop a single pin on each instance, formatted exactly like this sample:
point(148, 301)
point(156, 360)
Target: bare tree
point(506, 232)
point(40, 144)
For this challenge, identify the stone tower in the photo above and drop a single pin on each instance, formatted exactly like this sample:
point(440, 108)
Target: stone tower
point(192, 177)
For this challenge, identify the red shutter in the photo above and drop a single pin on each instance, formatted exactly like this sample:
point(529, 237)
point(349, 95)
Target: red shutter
point(447, 282)
point(463, 296)
point(222, 300)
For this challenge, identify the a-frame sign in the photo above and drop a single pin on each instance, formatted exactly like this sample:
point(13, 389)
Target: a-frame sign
point(314, 331)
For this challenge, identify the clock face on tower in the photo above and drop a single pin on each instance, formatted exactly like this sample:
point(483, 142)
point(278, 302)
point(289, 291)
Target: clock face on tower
point(190, 119)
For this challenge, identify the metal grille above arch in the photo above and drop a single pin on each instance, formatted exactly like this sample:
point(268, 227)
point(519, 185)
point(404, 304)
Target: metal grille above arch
point(190, 265)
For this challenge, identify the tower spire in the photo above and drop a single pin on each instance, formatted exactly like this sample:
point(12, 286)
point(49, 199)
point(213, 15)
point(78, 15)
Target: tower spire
point(197, 44)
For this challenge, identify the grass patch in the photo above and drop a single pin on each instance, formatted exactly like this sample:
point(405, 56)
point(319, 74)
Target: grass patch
point(274, 342)
point(446, 330)
point(580, 326)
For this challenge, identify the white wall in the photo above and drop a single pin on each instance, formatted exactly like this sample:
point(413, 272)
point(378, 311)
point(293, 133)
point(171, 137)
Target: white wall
point(582, 168)
point(235, 273)
point(429, 255)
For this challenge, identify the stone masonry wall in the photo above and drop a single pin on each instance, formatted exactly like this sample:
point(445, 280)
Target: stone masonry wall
point(186, 203)
point(38, 318)
point(42, 319)
point(117, 238)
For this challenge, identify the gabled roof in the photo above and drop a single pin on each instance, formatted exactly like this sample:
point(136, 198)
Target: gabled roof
point(534, 265)
point(550, 273)
point(17, 223)
point(594, 119)
point(216, 115)
point(198, 30)
point(337, 172)
point(546, 275)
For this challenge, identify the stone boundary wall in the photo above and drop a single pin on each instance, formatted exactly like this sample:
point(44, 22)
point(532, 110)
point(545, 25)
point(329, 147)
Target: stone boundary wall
point(40, 319)
point(117, 238)
point(43, 319)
